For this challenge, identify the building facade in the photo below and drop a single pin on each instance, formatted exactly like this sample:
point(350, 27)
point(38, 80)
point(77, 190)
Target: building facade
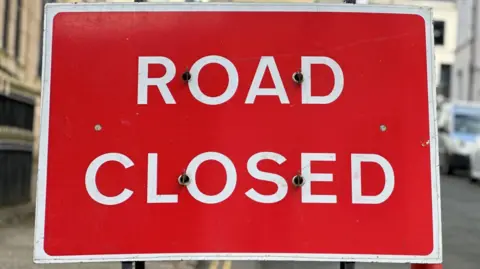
point(20, 68)
point(466, 78)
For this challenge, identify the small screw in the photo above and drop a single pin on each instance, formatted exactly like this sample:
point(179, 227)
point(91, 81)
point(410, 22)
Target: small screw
point(98, 127)
point(186, 76)
point(297, 77)
point(298, 181)
point(183, 179)
point(383, 128)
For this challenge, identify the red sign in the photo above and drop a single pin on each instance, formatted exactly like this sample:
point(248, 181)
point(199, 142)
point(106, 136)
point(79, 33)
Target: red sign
point(246, 131)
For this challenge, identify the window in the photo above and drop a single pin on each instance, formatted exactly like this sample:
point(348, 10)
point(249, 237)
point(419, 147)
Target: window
point(15, 175)
point(439, 32)
point(445, 78)
point(6, 19)
point(468, 123)
point(18, 28)
point(16, 113)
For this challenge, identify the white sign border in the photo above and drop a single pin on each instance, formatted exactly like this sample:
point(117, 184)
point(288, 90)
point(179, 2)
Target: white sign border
point(40, 256)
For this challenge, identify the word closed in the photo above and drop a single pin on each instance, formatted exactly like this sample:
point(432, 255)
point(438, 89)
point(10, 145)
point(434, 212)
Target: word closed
point(254, 172)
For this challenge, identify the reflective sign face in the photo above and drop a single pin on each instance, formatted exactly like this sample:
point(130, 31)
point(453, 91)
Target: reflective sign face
point(278, 132)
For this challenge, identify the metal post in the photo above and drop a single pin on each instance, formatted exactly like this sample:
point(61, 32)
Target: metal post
point(473, 52)
point(426, 266)
point(347, 265)
point(127, 265)
point(131, 265)
point(139, 265)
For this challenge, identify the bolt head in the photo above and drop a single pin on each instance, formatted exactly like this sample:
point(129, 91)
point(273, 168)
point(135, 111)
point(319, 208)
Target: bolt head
point(184, 180)
point(298, 181)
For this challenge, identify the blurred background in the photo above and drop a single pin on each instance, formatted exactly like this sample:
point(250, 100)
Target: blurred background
point(457, 84)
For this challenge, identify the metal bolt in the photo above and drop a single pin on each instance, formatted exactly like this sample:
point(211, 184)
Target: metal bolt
point(383, 128)
point(98, 127)
point(183, 179)
point(298, 181)
point(297, 77)
point(186, 76)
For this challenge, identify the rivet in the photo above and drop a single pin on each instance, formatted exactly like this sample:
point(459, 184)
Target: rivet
point(297, 77)
point(298, 181)
point(98, 127)
point(186, 76)
point(383, 128)
point(183, 179)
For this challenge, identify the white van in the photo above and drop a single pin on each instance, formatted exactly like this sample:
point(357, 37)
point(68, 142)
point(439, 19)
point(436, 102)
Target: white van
point(459, 137)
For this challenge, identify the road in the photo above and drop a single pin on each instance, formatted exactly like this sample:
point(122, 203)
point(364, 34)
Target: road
point(461, 234)
point(461, 240)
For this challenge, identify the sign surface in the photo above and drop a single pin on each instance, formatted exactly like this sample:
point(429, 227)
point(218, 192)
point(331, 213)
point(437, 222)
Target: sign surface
point(241, 99)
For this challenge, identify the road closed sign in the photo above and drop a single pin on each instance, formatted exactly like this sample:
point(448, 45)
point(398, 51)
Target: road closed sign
point(239, 132)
